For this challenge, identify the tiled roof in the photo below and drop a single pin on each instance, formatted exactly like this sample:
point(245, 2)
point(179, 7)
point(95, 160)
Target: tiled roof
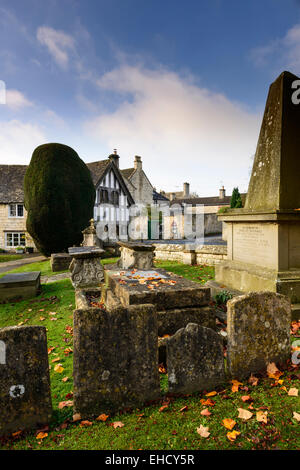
point(11, 183)
point(207, 201)
point(97, 169)
point(159, 197)
point(128, 172)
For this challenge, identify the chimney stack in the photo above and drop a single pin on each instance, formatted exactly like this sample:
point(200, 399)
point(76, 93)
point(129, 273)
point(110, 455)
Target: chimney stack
point(115, 158)
point(186, 189)
point(138, 163)
point(222, 193)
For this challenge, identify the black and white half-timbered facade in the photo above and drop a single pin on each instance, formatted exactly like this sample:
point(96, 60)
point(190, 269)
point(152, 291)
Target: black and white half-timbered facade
point(113, 198)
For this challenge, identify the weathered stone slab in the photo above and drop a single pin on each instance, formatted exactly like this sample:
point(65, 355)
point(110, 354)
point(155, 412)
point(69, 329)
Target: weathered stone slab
point(170, 321)
point(258, 327)
point(85, 252)
point(136, 255)
point(60, 261)
point(19, 285)
point(195, 360)
point(166, 290)
point(25, 398)
point(115, 359)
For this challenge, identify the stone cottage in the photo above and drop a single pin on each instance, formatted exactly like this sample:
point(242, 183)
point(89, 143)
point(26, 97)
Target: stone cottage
point(12, 211)
point(209, 206)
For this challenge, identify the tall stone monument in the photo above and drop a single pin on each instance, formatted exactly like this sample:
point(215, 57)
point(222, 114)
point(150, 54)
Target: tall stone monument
point(264, 237)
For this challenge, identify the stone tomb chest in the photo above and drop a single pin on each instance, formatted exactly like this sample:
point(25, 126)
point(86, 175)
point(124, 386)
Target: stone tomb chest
point(19, 285)
point(178, 301)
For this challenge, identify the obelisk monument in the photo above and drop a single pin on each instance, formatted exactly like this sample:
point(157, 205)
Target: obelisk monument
point(263, 238)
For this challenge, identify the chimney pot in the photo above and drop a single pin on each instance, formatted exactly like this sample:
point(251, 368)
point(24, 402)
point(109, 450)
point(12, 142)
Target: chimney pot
point(222, 193)
point(138, 165)
point(186, 189)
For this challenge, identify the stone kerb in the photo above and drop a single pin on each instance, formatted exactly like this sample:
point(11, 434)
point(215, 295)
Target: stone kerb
point(25, 398)
point(258, 328)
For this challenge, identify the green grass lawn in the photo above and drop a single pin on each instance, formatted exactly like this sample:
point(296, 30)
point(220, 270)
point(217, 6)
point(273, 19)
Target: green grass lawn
point(6, 258)
point(149, 428)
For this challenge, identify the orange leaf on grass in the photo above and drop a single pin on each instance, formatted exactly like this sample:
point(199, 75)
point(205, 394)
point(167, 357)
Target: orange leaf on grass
point(207, 402)
point(244, 414)
point(235, 385)
point(63, 404)
point(246, 398)
point(102, 417)
point(229, 423)
point(261, 417)
point(118, 424)
point(205, 412)
point(41, 435)
point(253, 380)
point(85, 423)
point(233, 435)
point(203, 431)
point(184, 408)
point(163, 408)
point(211, 394)
point(272, 371)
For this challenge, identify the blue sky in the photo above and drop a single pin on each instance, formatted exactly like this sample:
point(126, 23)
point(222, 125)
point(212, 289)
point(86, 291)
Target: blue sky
point(182, 84)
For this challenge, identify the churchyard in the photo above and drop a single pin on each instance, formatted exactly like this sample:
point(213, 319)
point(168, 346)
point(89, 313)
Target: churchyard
point(136, 353)
point(170, 422)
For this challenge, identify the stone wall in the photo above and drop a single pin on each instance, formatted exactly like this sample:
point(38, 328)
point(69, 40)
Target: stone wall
point(206, 254)
point(12, 224)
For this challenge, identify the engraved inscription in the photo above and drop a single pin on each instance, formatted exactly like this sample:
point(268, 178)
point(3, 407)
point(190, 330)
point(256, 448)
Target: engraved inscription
point(254, 244)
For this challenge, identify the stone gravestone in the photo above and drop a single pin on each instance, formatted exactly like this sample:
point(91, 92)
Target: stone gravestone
point(115, 359)
point(195, 360)
point(258, 328)
point(86, 269)
point(263, 238)
point(25, 398)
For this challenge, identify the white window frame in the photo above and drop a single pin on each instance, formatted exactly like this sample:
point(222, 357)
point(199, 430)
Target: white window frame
point(19, 239)
point(16, 210)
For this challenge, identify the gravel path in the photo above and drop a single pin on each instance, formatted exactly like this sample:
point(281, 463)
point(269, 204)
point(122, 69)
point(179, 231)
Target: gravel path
point(7, 266)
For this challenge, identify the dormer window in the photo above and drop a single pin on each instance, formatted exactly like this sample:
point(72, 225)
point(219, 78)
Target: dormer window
point(16, 210)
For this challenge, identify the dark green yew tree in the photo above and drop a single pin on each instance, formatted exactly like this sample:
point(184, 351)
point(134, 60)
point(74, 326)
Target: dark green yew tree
point(59, 198)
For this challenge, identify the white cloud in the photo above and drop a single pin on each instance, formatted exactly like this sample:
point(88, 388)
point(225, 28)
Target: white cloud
point(17, 100)
point(52, 117)
point(18, 140)
point(282, 53)
point(58, 43)
point(182, 131)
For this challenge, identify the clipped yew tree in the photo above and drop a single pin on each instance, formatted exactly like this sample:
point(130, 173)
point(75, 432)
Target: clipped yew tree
point(59, 198)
